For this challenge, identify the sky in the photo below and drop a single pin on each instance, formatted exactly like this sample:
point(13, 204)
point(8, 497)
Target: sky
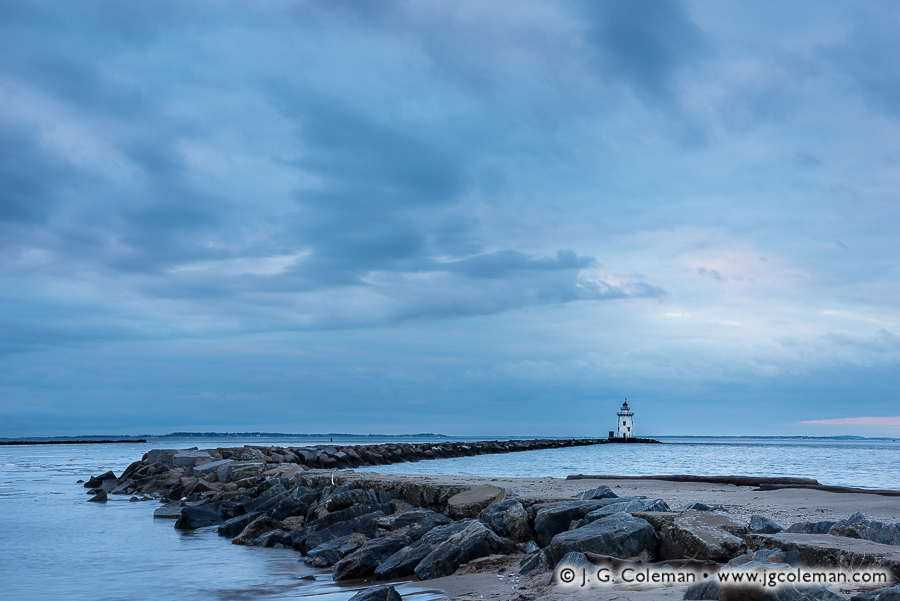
point(463, 217)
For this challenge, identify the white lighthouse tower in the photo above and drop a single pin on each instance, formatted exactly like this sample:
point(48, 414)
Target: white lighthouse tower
point(625, 428)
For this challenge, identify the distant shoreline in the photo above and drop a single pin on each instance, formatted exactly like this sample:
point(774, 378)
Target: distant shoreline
point(31, 442)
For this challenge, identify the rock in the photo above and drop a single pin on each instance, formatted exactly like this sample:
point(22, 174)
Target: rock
point(366, 524)
point(700, 535)
point(628, 506)
point(883, 594)
point(234, 526)
point(347, 514)
point(469, 503)
point(889, 535)
point(534, 561)
point(295, 522)
point(825, 550)
point(762, 525)
point(328, 554)
point(811, 527)
point(288, 507)
point(618, 535)
point(767, 556)
point(363, 561)
point(272, 538)
point(255, 529)
point(574, 560)
point(358, 496)
point(190, 458)
point(702, 507)
point(508, 519)
point(210, 471)
point(601, 492)
point(553, 519)
point(164, 456)
point(414, 523)
point(97, 481)
point(472, 542)
point(267, 499)
point(385, 592)
point(100, 497)
point(403, 562)
point(169, 510)
point(197, 517)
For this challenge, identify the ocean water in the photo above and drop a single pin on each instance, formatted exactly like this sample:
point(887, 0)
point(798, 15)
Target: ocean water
point(55, 545)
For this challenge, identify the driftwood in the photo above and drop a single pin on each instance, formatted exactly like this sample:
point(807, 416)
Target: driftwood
point(606, 561)
point(736, 480)
point(844, 489)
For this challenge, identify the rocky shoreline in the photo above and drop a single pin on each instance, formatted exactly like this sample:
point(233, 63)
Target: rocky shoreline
point(369, 527)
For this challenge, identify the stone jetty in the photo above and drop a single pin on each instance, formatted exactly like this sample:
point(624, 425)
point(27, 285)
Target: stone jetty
point(376, 527)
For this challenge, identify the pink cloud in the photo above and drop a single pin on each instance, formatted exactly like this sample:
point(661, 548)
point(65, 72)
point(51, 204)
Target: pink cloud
point(858, 421)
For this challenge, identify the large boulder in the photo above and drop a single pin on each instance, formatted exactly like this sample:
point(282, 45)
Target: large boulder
point(696, 506)
point(97, 481)
point(236, 525)
point(553, 519)
point(701, 535)
point(349, 513)
point(255, 529)
point(385, 592)
point(328, 554)
point(469, 503)
point(601, 492)
point(366, 524)
point(197, 517)
point(414, 523)
point(363, 561)
point(472, 542)
point(359, 496)
point(578, 563)
point(618, 535)
point(760, 524)
point(403, 562)
point(508, 519)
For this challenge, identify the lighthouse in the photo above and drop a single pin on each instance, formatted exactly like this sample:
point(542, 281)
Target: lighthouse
point(625, 425)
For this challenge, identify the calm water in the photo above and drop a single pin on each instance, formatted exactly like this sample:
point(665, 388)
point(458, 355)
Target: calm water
point(56, 546)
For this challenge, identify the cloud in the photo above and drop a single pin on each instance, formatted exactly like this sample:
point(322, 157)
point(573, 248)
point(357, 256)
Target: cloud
point(857, 421)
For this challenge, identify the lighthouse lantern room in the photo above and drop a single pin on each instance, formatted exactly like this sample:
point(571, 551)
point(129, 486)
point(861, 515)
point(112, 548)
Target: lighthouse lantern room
point(625, 428)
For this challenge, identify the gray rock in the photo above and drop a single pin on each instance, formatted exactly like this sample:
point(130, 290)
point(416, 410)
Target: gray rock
point(366, 524)
point(349, 513)
point(234, 526)
point(553, 519)
point(100, 497)
point(469, 503)
point(266, 500)
point(534, 561)
point(760, 524)
point(197, 517)
point(403, 562)
point(210, 471)
point(574, 560)
point(702, 507)
point(472, 542)
point(414, 523)
point(190, 458)
point(358, 496)
point(601, 492)
point(889, 535)
point(272, 538)
point(823, 527)
point(328, 554)
point(763, 556)
point(618, 535)
point(164, 456)
point(385, 592)
point(702, 535)
point(629, 506)
point(508, 519)
point(363, 561)
point(170, 511)
point(883, 594)
point(255, 529)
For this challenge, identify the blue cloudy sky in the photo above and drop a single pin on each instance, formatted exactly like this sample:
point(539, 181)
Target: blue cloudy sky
point(467, 217)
